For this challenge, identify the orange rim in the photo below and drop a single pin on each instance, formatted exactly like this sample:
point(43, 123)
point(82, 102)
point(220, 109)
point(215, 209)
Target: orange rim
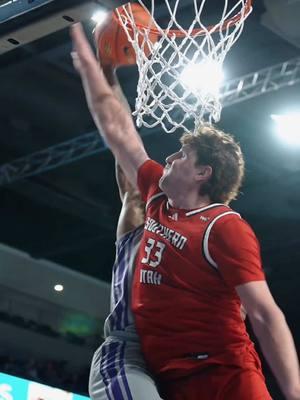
point(200, 31)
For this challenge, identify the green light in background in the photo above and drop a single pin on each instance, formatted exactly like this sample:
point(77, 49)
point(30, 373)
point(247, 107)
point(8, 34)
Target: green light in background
point(80, 325)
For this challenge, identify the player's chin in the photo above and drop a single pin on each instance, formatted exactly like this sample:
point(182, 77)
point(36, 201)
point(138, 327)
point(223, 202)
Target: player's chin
point(164, 179)
point(161, 182)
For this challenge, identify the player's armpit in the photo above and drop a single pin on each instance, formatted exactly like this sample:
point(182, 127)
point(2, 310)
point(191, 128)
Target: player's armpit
point(123, 183)
point(132, 214)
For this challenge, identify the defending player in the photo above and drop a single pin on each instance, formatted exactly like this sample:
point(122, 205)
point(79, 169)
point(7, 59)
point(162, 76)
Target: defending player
point(186, 298)
point(118, 369)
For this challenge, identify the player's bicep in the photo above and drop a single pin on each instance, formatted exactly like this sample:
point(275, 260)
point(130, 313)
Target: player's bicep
point(257, 300)
point(130, 157)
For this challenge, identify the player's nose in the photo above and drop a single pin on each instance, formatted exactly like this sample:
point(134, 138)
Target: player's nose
point(172, 157)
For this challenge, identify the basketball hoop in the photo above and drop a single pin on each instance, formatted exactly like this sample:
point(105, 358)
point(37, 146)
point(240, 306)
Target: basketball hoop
point(163, 98)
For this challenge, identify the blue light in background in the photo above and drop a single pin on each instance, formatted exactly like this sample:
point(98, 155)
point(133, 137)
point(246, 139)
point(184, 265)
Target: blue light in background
point(14, 8)
point(13, 388)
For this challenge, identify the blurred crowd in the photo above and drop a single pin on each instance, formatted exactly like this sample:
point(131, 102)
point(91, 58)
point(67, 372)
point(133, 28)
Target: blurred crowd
point(52, 373)
point(49, 372)
point(48, 330)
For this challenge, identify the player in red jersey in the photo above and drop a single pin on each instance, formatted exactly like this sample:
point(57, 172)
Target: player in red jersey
point(199, 261)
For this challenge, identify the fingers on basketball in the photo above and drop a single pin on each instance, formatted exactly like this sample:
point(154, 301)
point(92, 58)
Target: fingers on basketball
point(113, 46)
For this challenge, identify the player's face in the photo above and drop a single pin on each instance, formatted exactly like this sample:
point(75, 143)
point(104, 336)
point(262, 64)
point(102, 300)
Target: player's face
point(180, 171)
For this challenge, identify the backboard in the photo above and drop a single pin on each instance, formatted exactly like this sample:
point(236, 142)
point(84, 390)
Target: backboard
point(22, 22)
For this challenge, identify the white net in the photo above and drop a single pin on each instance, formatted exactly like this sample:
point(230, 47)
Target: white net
point(180, 69)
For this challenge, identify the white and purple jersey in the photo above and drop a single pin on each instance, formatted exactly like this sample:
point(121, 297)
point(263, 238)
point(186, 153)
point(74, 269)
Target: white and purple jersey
point(120, 321)
point(118, 370)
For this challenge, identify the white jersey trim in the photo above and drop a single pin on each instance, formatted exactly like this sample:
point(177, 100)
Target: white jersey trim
point(204, 208)
point(206, 237)
point(154, 198)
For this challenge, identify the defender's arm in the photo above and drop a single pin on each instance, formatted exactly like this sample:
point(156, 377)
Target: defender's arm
point(132, 213)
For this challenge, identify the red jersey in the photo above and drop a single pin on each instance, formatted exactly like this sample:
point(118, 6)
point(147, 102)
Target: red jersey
point(186, 308)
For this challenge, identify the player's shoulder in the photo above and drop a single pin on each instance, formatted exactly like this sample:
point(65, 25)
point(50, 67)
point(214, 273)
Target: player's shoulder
point(156, 199)
point(223, 213)
point(230, 223)
point(149, 175)
point(212, 213)
point(216, 216)
point(151, 167)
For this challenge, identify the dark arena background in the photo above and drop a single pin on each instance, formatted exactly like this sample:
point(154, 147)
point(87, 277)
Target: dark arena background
point(58, 197)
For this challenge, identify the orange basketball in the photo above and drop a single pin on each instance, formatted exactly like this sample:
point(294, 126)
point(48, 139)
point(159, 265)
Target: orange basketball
point(111, 39)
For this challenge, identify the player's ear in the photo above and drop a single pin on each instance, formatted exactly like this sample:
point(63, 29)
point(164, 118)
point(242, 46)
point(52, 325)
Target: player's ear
point(204, 172)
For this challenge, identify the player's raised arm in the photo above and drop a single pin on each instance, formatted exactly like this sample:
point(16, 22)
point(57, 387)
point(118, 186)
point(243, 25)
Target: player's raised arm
point(111, 117)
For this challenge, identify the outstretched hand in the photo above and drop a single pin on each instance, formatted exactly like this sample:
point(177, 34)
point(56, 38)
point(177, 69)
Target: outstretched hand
point(112, 117)
point(109, 113)
point(85, 62)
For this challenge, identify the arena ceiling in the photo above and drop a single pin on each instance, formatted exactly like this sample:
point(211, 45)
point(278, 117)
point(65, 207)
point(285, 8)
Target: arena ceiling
point(68, 212)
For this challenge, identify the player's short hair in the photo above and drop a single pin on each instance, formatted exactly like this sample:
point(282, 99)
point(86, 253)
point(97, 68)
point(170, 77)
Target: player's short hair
point(219, 150)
